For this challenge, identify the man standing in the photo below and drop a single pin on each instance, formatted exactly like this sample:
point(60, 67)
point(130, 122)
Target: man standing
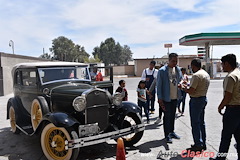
point(168, 79)
point(198, 89)
point(230, 101)
point(148, 75)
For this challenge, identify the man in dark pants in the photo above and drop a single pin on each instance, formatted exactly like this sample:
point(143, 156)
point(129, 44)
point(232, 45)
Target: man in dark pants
point(168, 93)
point(198, 90)
point(160, 111)
point(148, 75)
point(230, 101)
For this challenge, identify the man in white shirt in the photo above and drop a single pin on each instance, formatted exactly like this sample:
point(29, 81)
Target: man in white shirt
point(148, 75)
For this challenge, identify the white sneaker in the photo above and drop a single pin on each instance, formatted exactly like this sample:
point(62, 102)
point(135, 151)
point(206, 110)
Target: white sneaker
point(158, 121)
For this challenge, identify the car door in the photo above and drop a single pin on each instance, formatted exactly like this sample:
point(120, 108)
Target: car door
point(29, 87)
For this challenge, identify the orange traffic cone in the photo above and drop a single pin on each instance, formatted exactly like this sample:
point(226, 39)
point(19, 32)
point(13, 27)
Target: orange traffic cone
point(120, 150)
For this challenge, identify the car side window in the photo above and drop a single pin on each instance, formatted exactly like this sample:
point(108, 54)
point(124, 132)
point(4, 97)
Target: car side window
point(18, 78)
point(29, 78)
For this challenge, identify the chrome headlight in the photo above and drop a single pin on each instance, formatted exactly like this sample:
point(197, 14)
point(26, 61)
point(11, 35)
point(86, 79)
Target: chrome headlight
point(117, 99)
point(79, 103)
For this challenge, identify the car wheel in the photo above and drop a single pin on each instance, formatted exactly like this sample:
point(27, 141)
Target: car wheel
point(36, 113)
point(130, 120)
point(53, 143)
point(13, 123)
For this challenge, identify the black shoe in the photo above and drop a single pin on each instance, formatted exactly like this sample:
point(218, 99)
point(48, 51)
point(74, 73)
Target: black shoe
point(195, 148)
point(168, 139)
point(204, 147)
point(174, 135)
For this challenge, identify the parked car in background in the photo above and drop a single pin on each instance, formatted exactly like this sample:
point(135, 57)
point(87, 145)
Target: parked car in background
point(60, 101)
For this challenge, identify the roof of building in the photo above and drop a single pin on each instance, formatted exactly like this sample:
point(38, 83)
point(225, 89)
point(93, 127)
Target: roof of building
point(166, 57)
point(200, 39)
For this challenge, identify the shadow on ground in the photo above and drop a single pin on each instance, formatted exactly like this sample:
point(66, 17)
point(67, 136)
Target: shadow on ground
point(23, 147)
point(19, 146)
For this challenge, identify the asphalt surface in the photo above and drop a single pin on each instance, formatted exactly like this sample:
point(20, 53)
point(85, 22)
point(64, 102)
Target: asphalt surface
point(151, 146)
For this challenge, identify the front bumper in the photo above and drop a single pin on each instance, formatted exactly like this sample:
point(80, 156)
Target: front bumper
point(101, 138)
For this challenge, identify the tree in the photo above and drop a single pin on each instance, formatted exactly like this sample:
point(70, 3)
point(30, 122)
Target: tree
point(64, 49)
point(46, 56)
point(111, 52)
point(126, 54)
point(92, 60)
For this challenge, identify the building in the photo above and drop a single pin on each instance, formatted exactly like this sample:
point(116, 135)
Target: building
point(183, 61)
point(7, 61)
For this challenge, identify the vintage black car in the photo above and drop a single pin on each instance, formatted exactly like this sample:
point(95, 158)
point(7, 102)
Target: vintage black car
point(61, 102)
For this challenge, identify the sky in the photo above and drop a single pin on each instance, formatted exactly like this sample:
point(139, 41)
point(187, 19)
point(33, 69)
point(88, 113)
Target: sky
point(144, 25)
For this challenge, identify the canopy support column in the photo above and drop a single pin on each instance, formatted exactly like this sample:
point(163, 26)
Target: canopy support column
point(207, 60)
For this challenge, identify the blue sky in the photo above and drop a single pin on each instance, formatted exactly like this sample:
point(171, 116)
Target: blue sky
point(144, 25)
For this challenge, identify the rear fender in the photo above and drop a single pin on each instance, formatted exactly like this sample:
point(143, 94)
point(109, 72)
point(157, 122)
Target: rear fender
point(23, 118)
point(11, 102)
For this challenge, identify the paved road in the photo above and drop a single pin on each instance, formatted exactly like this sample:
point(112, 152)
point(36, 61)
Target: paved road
point(22, 147)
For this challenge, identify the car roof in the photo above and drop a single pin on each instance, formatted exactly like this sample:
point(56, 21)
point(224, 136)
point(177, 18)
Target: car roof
point(47, 64)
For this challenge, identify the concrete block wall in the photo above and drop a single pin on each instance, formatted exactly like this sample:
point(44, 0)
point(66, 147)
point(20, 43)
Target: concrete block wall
point(7, 61)
point(123, 70)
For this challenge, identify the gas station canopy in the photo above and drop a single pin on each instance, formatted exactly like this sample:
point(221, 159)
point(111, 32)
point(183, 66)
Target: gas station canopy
point(200, 39)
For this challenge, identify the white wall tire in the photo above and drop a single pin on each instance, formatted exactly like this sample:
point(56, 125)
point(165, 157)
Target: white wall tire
point(53, 143)
point(36, 114)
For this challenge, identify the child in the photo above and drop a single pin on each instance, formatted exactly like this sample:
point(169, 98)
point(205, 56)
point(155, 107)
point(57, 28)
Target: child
point(123, 90)
point(142, 100)
point(183, 97)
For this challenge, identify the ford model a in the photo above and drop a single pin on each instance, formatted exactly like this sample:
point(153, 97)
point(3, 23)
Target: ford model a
point(61, 102)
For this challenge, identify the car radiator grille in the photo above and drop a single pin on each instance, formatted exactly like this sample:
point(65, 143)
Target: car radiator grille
point(97, 109)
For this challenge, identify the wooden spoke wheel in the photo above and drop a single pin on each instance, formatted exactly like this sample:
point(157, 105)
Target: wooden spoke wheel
point(53, 143)
point(36, 114)
point(13, 123)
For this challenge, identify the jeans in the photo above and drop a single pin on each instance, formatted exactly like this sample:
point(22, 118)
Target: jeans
point(143, 105)
point(151, 101)
point(231, 126)
point(182, 100)
point(197, 111)
point(169, 117)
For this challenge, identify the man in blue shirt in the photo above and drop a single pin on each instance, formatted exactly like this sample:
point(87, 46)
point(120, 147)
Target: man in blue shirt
point(168, 78)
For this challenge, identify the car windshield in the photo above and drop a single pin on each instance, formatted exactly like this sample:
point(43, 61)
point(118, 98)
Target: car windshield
point(48, 75)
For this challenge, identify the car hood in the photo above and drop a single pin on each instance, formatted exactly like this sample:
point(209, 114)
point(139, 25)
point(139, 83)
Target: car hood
point(72, 89)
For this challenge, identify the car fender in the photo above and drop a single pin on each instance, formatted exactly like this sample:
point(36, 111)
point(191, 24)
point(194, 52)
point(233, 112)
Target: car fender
point(12, 101)
point(127, 108)
point(60, 119)
point(130, 107)
point(18, 107)
point(43, 104)
point(21, 114)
